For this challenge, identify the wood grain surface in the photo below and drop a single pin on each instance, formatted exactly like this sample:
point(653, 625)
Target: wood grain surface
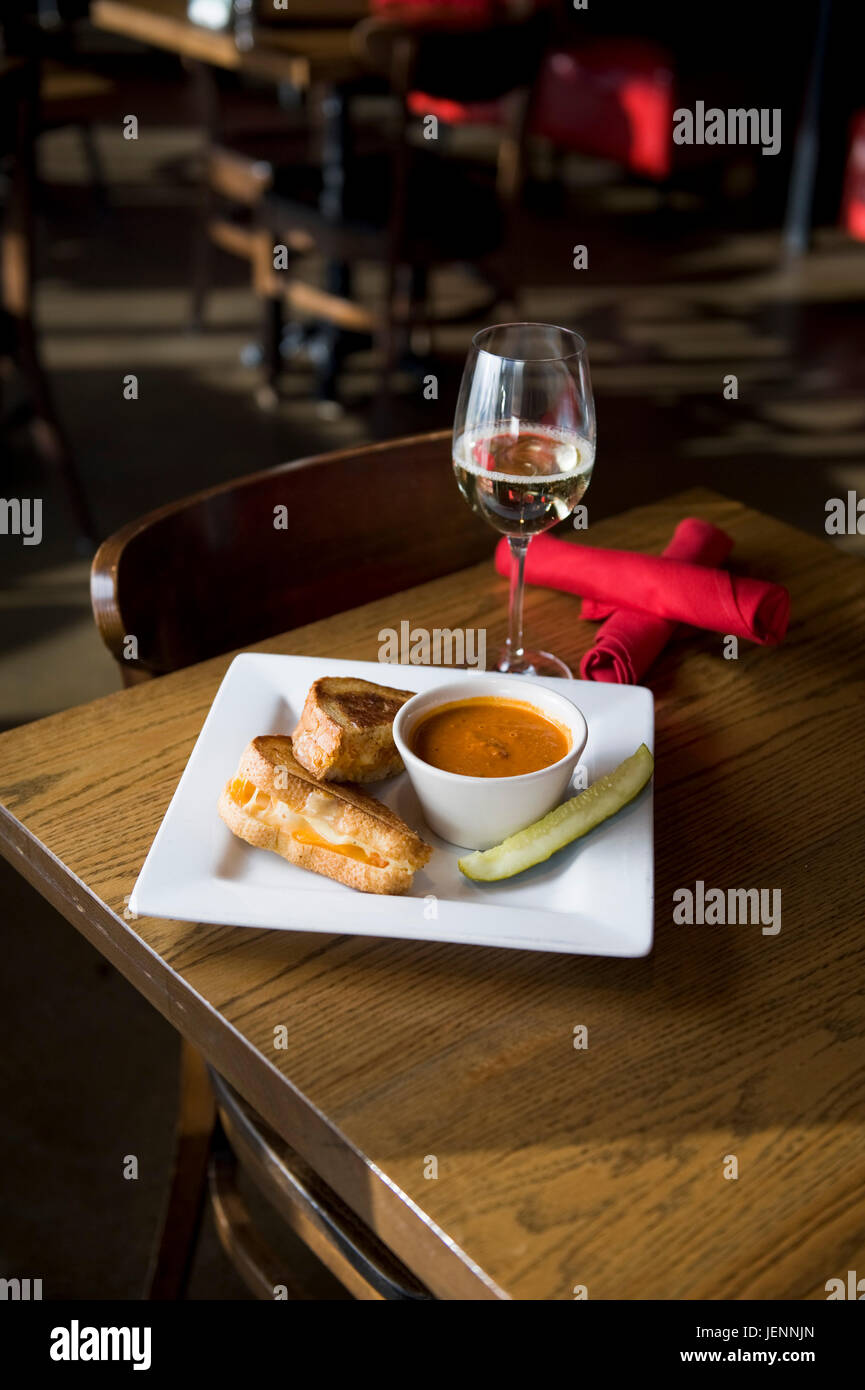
point(556, 1167)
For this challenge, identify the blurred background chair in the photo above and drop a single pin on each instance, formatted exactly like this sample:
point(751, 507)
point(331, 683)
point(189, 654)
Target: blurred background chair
point(443, 210)
point(612, 98)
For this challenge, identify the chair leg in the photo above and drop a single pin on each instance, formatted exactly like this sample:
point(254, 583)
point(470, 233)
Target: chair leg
point(260, 1268)
point(204, 93)
point(172, 1261)
point(93, 160)
point(49, 436)
point(388, 338)
point(419, 318)
point(202, 263)
point(335, 155)
point(273, 324)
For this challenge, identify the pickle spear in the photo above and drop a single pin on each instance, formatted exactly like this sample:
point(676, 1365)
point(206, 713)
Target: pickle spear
point(563, 825)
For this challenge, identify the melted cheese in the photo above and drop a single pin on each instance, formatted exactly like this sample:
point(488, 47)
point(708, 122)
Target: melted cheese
point(351, 851)
point(306, 830)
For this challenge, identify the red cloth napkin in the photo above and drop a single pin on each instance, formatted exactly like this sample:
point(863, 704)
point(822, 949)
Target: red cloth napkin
point(628, 642)
point(672, 589)
point(694, 541)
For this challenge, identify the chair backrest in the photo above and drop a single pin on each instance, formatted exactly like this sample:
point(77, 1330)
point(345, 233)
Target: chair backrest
point(281, 548)
point(470, 58)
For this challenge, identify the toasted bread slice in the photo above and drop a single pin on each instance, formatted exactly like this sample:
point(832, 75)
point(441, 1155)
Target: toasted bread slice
point(345, 733)
point(342, 832)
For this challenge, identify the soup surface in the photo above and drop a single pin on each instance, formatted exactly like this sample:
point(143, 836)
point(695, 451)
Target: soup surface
point(489, 737)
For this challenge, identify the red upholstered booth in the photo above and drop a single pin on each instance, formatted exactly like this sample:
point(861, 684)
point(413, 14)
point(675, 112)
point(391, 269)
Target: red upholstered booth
point(613, 98)
point(853, 203)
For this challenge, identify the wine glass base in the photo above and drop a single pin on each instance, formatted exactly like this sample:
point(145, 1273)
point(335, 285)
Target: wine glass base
point(528, 663)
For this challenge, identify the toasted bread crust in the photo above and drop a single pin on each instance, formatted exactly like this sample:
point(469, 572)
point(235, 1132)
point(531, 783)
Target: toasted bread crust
point(363, 877)
point(269, 763)
point(345, 731)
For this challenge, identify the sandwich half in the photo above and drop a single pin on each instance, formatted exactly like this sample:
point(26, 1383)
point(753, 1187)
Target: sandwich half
point(339, 831)
point(345, 731)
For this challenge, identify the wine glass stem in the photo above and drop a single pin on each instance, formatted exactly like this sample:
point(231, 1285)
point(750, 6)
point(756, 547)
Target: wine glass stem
point(519, 545)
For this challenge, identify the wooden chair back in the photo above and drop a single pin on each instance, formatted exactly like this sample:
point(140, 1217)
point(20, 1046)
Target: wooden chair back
point(463, 58)
point(256, 556)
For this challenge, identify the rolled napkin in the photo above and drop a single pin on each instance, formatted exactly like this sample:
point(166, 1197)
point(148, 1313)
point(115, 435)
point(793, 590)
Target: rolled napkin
point(627, 643)
point(695, 541)
point(676, 590)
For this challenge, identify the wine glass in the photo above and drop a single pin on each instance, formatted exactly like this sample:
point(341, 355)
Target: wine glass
point(524, 448)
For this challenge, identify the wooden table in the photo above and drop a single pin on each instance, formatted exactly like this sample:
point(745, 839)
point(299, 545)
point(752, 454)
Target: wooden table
point(556, 1167)
point(300, 55)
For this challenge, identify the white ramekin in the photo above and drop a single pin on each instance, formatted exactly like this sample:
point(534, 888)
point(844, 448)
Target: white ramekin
point(479, 812)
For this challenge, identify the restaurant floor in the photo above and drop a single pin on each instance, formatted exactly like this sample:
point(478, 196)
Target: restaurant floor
point(670, 311)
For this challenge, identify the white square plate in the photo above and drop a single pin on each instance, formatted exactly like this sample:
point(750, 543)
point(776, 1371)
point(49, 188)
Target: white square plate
point(593, 898)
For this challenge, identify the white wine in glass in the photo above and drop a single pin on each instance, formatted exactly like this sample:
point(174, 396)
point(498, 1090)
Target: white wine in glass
point(524, 449)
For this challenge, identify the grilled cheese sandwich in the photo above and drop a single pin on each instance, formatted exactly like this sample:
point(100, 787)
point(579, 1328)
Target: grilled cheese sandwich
point(345, 731)
point(273, 803)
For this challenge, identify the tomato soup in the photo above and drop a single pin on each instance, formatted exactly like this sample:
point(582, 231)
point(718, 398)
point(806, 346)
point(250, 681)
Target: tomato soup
point(489, 737)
